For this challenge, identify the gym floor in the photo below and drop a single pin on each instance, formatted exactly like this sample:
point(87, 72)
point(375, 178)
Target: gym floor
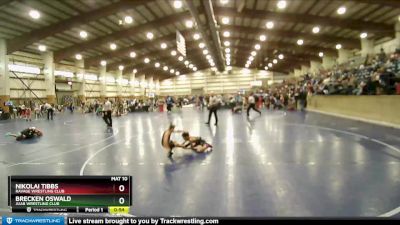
point(276, 164)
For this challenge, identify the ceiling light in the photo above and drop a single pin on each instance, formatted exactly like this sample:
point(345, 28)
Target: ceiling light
point(227, 43)
point(113, 46)
point(103, 62)
point(227, 50)
point(223, 2)
point(42, 48)
point(186, 62)
point(338, 46)
point(270, 65)
point(341, 10)
point(269, 25)
point(263, 37)
point(195, 69)
point(281, 4)
point(83, 34)
point(157, 64)
point(251, 58)
point(247, 65)
point(281, 56)
point(300, 42)
point(172, 71)
point(275, 61)
point(173, 53)
point(189, 23)
point(190, 66)
point(227, 34)
point(134, 70)
point(78, 56)
point(257, 46)
point(315, 30)
point(266, 67)
point(180, 58)
point(228, 55)
point(128, 19)
point(253, 53)
point(165, 68)
point(34, 14)
point(208, 57)
point(225, 20)
point(132, 54)
point(205, 52)
point(149, 35)
point(146, 60)
point(202, 45)
point(228, 64)
point(363, 35)
point(212, 64)
point(163, 45)
point(121, 67)
point(196, 36)
point(177, 73)
point(177, 4)
point(321, 54)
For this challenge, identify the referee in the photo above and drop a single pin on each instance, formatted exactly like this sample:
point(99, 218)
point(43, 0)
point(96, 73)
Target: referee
point(213, 105)
point(107, 111)
point(252, 104)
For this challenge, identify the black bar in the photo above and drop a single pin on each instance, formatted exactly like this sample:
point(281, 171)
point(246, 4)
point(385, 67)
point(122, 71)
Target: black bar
point(44, 209)
point(64, 178)
point(77, 181)
point(9, 190)
point(215, 221)
point(130, 190)
point(105, 200)
point(93, 209)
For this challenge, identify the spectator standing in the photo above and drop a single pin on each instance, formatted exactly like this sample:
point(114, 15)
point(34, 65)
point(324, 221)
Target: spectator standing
point(382, 56)
point(28, 114)
point(37, 112)
point(398, 88)
point(170, 103)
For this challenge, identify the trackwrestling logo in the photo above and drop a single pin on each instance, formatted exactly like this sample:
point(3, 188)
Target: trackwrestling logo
point(32, 220)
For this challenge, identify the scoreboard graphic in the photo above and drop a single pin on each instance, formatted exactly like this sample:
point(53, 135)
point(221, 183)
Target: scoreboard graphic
point(70, 194)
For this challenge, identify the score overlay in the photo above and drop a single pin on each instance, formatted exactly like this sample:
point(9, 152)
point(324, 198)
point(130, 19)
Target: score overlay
point(73, 194)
